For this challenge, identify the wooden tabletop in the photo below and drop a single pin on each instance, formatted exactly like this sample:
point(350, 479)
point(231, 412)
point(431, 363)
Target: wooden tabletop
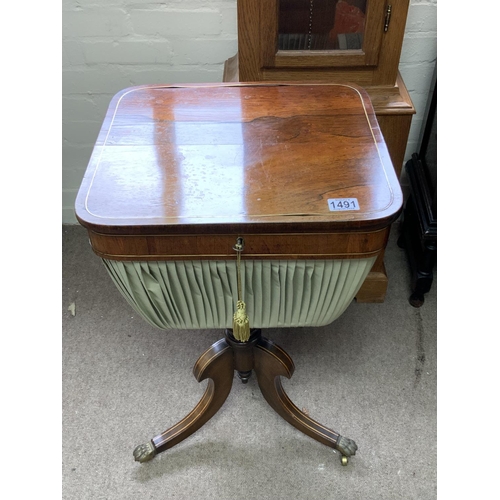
point(229, 157)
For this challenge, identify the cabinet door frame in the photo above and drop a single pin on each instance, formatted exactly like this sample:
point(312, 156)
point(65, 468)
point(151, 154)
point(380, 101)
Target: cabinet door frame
point(375, 64)
point(367, 56)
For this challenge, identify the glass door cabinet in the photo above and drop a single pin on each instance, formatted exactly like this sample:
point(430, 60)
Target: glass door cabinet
point(323, 33)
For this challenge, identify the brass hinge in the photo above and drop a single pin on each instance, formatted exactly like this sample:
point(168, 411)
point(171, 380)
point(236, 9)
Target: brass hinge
point(387, 17)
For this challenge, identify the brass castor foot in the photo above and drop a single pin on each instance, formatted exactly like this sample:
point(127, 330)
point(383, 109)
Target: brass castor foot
point(347, 447)
point(144, 452)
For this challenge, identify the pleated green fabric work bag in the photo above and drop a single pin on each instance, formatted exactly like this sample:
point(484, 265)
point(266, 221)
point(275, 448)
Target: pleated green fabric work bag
point(196, 294)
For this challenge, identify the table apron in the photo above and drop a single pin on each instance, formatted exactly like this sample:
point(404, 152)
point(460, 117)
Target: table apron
point(348, 245)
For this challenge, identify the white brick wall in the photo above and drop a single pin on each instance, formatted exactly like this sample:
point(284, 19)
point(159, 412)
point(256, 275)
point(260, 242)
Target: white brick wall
point(418, 62)
point(112, 44)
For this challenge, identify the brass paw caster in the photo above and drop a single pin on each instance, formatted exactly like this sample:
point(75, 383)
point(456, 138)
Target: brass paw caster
point(144, 452)
point(347, 447)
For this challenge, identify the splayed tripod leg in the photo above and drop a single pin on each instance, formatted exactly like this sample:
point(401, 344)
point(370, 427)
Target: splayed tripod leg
point(217, 365)
point(272, 362)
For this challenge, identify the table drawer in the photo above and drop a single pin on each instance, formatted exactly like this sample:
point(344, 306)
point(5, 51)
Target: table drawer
point(349, 245)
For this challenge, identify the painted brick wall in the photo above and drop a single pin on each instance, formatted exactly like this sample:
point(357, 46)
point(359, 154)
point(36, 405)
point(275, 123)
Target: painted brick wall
point(113, 44)
point(418, 63)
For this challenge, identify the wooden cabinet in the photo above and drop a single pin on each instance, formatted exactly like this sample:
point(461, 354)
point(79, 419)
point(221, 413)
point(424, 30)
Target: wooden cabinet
point(355, 41)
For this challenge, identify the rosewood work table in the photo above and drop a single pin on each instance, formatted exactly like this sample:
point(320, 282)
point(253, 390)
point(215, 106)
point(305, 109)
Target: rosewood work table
point(240, 206)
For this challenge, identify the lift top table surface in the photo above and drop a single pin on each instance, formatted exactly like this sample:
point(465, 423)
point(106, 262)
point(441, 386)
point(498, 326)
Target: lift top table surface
point(226, 159)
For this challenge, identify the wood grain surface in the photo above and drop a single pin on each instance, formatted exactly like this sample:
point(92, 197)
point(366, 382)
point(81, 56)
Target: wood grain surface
point(238, 159)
